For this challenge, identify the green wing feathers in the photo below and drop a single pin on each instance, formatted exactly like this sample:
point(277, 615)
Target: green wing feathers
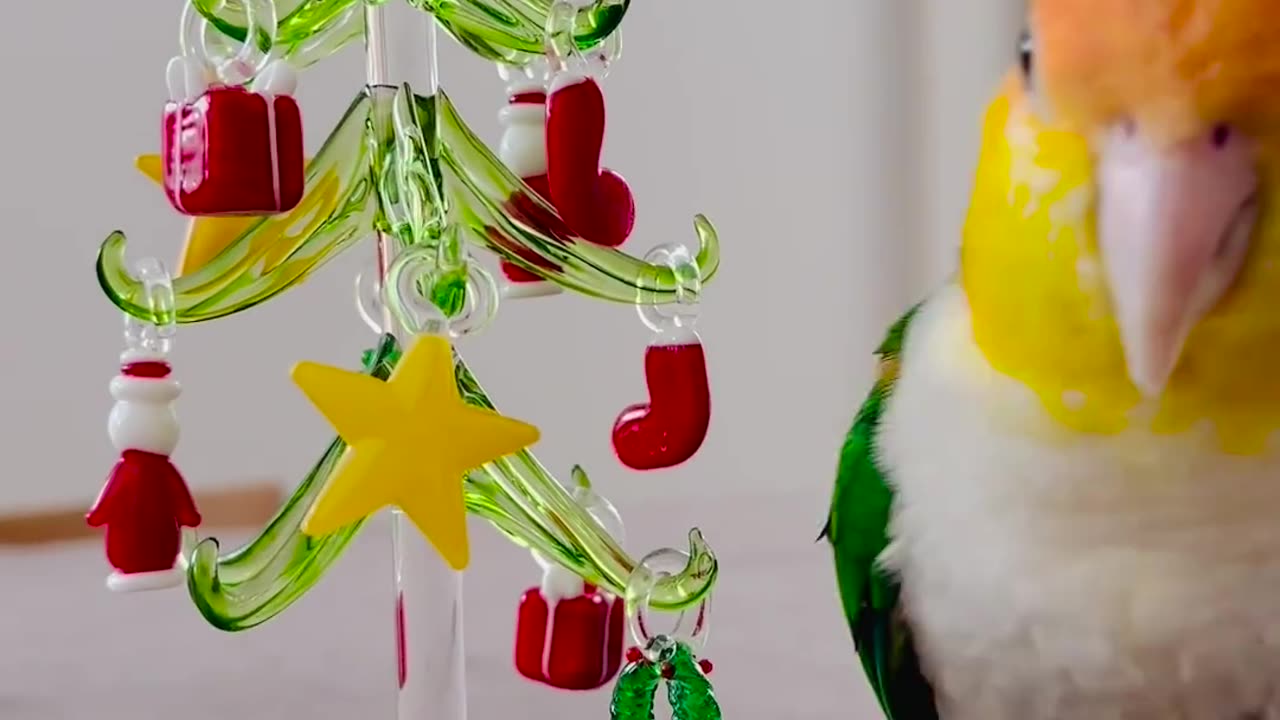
point(857, 529)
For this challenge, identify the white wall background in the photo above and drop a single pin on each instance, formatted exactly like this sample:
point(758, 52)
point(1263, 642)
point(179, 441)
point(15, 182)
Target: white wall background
point(962, 48)
point(832, 151)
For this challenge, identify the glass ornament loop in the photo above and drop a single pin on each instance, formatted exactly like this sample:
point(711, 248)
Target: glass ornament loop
point(409, 187)
point(368, 294)
point(153, 334)
point(533, 73)
point(234, 63)
point(563, 53)
point(426, 295)
point(683, 313)
point(691, 623)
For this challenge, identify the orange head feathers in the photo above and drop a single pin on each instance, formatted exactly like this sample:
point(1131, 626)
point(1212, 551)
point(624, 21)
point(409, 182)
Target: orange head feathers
point(1172, 67)
point(1121, 257)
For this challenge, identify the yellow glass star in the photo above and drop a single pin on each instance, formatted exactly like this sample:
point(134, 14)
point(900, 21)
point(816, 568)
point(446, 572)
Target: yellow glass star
point(208, 236)
point(411, 440)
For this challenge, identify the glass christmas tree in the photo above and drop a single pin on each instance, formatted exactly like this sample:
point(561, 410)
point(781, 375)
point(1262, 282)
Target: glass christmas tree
point(402, 178)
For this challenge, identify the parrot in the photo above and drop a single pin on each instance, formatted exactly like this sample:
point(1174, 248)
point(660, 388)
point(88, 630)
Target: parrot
point(1061, 497)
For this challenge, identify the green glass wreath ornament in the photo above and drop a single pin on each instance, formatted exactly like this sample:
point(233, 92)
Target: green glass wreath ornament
point(668, 658)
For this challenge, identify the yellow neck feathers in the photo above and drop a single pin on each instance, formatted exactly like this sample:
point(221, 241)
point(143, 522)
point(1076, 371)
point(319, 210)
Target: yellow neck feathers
point(1033, 276)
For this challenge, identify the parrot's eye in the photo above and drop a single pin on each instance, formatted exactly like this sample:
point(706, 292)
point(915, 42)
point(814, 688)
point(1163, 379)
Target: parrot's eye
point(1026, 54)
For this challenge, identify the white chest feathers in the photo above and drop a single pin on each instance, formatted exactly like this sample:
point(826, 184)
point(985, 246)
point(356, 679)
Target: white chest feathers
point(1050, 575)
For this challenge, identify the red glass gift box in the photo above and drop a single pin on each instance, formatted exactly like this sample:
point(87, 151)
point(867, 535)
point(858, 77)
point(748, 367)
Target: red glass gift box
point(231, 151)
point(572, 643)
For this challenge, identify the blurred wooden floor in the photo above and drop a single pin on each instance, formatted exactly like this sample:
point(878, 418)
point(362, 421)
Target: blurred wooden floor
point(242, 507)
point(70, 650)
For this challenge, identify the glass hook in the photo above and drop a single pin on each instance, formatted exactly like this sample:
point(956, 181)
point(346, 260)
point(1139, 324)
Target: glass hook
point(562, 51)
point(233, 63)
point(153, 336)
point(682, 314)
point(690, 626)
point(418, 284)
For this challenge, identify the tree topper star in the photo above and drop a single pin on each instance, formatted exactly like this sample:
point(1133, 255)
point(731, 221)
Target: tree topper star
point(411, 441)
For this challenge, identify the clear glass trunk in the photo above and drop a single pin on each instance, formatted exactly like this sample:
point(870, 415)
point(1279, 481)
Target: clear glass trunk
point(400, 43)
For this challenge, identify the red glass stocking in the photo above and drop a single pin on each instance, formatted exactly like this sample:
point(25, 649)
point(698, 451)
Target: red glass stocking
point(595, 203)
point(670, 428)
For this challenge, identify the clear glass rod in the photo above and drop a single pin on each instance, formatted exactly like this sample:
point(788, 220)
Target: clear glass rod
point(400, 46)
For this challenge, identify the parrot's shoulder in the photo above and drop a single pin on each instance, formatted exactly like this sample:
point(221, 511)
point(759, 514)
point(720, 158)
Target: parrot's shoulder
point(862, 490)
point(858, 531)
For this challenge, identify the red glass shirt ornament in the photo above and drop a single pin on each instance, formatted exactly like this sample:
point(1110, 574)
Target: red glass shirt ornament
point(229, 150)
point(145, 503)
point(569, 634)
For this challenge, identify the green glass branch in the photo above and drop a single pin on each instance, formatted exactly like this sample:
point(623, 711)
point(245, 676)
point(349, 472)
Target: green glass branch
point(277, 252)
point(514, 31)
point(307, 31)
point(479, 192)
point(503, 215)
point(522, 495)
point(517, 496)
point(254, 583)
point(507, 31)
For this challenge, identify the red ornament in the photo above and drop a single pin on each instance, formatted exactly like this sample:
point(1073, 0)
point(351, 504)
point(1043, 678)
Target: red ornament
point(228, 150)
point(595, 203)
point(523, 151)
point(670, 428)
point(569, 634)
point(145, 503)
point(402, 667)
point(553, 143)
point(572, 643)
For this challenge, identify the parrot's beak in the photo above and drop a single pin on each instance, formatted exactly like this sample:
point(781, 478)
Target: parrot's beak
point(1174, 226)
